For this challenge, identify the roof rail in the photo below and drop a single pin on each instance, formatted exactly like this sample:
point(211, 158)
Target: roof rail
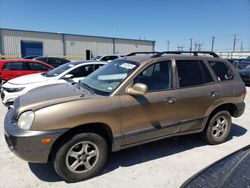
point(195, 53)
point(135, 53)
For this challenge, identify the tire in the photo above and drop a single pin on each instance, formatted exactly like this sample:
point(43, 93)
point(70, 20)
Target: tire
point(217, 131)
point(73, 162)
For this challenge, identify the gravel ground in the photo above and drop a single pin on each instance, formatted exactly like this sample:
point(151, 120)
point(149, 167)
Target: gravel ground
point(165, 163)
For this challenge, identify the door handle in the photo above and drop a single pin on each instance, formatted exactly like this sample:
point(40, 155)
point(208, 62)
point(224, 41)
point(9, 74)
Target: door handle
point(170, 100)
point(213, 94)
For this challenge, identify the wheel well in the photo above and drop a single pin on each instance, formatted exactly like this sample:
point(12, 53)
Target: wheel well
point(98, 128)
point(231, 108)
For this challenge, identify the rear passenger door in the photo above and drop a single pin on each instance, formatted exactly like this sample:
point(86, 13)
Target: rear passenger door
point(198, 91)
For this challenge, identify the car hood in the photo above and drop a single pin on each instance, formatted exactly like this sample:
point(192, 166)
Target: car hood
point(50, 95)
point(28, 79)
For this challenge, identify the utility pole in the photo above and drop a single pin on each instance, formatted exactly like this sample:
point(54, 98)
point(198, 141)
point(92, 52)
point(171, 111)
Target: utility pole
point(212, 49)
point(168, 42)
point(234, 44)
point(241, 46)
point(191, 45)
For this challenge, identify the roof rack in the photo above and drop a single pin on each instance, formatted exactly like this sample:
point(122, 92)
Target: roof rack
point(135, 53)
point(195, 53)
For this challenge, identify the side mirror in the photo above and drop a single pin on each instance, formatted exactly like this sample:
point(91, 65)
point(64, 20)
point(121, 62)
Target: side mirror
point(137, 89)
point(68, 76)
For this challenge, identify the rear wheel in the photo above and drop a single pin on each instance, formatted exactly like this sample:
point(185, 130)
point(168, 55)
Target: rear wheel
point(218, 128)
point(81, 158)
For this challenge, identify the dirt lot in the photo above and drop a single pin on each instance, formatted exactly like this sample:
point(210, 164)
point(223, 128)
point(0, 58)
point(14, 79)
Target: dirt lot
point(166, 163)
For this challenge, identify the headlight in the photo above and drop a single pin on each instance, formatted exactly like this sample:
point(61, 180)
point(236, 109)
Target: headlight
point(14, 89)
point(25, 120)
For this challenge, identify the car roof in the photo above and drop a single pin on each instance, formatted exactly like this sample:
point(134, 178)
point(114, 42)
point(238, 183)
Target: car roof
point(145, 58)
point(86, 62)
point(49, 57)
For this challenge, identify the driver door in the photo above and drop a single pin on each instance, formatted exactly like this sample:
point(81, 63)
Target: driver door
point(153, 115)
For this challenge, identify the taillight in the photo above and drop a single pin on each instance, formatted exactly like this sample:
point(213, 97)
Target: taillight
point(245, 92)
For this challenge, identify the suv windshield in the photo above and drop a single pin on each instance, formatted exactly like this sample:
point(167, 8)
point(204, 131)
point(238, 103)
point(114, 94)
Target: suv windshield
point(58, 70)
point(106, 79)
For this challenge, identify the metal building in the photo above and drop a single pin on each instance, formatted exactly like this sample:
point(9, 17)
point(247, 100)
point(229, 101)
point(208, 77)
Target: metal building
point(19, 43)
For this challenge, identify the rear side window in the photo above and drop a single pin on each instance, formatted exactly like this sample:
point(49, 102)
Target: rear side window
point(37, 67)
point(14, 66)
point(82, 71)
point(97, 66)
point(192, 73)
point(221, 70)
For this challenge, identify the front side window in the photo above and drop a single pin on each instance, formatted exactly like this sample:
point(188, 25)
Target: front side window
point(37, 67)
point(192, 73)
point(105, 80)
point(14, 66)
point(157, 76)
point(82, 71)
point(221, 70)
point(59, 70)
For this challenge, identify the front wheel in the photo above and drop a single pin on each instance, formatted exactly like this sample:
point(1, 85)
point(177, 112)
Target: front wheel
point(81, 158)
point(218, 128)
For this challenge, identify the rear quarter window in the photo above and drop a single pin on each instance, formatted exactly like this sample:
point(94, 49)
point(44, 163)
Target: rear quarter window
point(222, 70)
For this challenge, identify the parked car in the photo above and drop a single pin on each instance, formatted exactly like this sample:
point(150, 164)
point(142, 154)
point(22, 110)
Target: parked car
point(245, 74)
point(53, 61)
point(107, 58)
point(231, 171)
point(62, 74)
point(128, 102)
point(241, 65)
point(12, 68)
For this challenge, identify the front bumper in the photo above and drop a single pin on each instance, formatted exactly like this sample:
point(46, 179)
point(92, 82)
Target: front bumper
point(27, 144)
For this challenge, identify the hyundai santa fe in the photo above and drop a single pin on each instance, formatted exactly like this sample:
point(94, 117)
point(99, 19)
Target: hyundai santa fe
point(130, 101)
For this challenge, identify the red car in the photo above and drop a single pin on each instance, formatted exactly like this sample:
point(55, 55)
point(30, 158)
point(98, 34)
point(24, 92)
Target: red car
point(12, 68)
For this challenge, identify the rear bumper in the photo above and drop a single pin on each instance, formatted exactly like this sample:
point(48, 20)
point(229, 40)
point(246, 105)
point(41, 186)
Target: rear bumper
point(240, 108)
point(27, 144)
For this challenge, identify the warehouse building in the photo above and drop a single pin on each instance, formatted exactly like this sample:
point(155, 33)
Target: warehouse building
point(20, 43)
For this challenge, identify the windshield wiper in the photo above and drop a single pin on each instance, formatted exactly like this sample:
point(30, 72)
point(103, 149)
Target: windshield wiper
point(86, 86)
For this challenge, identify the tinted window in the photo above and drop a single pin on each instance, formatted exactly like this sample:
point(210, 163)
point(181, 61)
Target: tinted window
point(37, 67)
point(107, 58)
point(221, 70)
point(14, 66)
point(192, 73)
point(97, 66)
point(82, 71)
point(157, 76)
point(43, 59)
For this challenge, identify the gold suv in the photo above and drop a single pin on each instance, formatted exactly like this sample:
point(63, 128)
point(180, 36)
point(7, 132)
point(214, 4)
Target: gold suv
point(133, 100)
